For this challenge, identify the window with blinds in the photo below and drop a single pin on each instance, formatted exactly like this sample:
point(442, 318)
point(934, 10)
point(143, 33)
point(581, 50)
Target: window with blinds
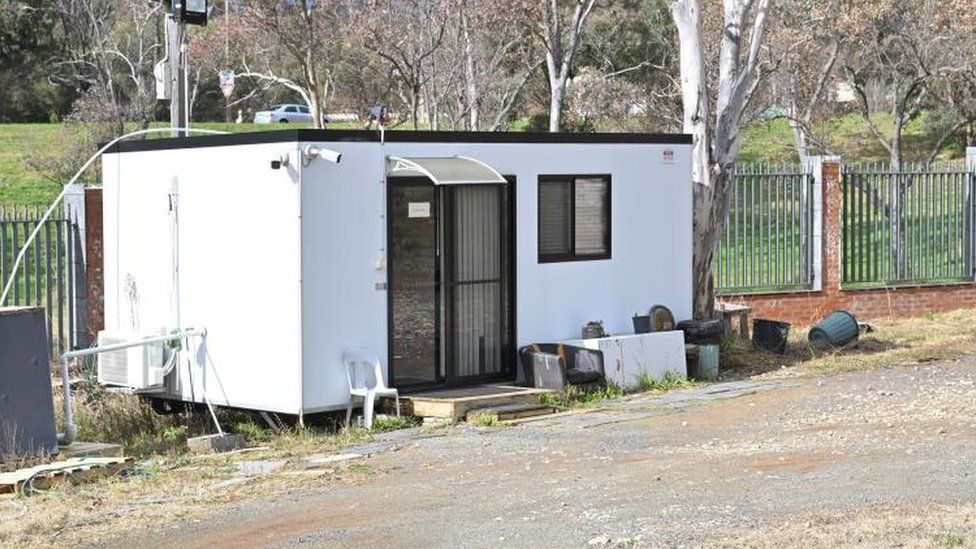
point(574, 218)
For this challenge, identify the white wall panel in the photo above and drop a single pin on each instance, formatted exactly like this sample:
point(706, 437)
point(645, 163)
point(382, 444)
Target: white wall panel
point(239, 265)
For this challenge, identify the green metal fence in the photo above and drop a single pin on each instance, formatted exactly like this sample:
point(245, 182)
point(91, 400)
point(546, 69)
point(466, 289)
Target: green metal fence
point(51, 273)
point(767, 243)
point(907, 226)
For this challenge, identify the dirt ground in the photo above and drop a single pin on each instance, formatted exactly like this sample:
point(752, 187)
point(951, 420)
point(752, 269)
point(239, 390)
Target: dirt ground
point(874, 458)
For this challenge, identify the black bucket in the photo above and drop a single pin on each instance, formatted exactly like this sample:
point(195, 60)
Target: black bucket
point(642, 324)
point(770, 335)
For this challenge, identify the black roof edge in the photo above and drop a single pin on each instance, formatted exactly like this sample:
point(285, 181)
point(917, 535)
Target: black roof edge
point(395, 136)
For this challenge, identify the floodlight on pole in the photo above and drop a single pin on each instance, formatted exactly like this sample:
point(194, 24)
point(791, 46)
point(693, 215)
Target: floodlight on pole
point(192, 12)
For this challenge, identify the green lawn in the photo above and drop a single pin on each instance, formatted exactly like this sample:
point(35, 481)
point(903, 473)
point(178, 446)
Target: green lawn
point(19, 184)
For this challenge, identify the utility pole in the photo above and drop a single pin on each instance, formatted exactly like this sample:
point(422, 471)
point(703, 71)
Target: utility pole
point(180, 13)
point(176, 40)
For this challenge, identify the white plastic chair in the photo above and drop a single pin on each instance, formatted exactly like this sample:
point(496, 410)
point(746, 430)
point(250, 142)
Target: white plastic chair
point(365, 376)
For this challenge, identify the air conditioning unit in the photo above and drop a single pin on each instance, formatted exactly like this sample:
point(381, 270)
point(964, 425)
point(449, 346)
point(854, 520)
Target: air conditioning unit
point(139, 367)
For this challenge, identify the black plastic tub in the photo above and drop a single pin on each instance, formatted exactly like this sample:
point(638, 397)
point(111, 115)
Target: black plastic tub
point(770, 335)
point(642, 324)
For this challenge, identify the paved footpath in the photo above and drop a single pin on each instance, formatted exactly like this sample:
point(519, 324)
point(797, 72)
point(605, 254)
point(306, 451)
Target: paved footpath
point(741, 462)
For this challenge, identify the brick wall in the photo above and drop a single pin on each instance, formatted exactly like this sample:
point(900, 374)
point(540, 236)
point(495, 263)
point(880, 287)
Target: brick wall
point(93, 262)
point(804, 308)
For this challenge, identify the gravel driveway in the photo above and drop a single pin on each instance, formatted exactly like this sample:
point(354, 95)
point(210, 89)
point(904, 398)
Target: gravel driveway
point(874, 458)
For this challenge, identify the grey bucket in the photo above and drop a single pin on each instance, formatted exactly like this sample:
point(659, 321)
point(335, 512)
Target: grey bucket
point(705, 368)
point(836, 330)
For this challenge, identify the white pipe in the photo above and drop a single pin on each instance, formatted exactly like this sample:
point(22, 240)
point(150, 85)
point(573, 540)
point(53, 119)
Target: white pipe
point(210, 407)
point(70, 429)
point(50, 210)
point(174, 234)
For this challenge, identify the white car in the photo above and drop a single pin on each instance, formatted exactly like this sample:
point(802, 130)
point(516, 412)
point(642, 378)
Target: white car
point(295, 114)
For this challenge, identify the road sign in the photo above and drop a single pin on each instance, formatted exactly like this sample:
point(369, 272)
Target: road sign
point(227, 83)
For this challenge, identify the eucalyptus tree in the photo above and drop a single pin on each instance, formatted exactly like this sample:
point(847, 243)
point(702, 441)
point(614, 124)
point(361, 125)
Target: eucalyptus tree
point(559, 29)
point(715, 129)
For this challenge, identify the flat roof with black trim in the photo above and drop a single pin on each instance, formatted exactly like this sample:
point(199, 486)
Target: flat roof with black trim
point(395, 136)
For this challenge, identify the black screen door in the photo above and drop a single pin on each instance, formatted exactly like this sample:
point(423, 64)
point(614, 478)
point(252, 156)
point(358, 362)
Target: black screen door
point(450, 284)
point(414, 291)
point(476, 292)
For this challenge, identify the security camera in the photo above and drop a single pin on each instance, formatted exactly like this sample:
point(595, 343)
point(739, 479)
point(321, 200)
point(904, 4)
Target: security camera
point(310, 152)
point(277, 163)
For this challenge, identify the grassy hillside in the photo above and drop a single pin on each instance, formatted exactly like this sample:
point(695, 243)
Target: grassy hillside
point(18, 182)
point(21, 145)
point(772, 141)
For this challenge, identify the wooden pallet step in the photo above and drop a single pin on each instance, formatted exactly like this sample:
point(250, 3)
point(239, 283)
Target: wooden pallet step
point(455, 405)
point(509, 412)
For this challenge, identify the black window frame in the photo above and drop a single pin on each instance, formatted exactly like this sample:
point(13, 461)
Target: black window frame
point(608, 213)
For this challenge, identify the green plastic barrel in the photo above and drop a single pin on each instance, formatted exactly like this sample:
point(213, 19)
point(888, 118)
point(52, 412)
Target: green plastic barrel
point(836, 330)
point(707, 363)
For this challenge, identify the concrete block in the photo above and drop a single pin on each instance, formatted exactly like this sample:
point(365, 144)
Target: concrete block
point(319, 461)
point(79, 449)
point(259, 468)
point(215, 444)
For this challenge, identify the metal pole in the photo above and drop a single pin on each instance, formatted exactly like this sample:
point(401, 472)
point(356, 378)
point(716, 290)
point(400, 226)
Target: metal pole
point(227, 110)
point(176, 34)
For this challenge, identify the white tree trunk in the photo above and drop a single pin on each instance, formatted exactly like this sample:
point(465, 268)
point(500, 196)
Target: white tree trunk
point(694, 95)
point(560, 52)
point(713, 156)
point(556, 86)
point(471, 83)
point(556, 107)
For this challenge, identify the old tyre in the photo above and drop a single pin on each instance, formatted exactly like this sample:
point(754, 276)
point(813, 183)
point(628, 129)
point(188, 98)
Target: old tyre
point(701, 332)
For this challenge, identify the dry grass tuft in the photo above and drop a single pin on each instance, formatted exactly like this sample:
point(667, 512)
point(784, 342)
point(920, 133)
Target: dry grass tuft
point(888, 526)
point(893, 342)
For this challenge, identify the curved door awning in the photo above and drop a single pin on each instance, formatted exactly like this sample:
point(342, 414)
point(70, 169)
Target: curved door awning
point(452, 170)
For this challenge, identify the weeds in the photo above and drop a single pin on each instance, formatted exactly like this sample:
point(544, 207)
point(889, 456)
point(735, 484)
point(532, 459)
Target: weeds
point(130, 421)
point(299, 441)
point(175, 434)
point(646, 383)
point(252, 432)
point(554, 400)
point(952, 540)
point(436, 426)
point(574, 396)
point(361, 468)
point(382, 424)
point(487, 419)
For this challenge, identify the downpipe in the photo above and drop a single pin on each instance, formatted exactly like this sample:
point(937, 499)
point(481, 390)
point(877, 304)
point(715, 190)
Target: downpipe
point(70, 429)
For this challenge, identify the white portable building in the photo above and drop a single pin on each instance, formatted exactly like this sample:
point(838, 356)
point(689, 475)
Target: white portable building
point(443, 252)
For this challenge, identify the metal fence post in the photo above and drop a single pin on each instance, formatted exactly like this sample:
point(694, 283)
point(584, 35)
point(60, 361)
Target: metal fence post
point(74, 212)
point(971, 211)
point(815, 167)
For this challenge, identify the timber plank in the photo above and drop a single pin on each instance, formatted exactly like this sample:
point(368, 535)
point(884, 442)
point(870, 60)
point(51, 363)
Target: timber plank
point(76, 470)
